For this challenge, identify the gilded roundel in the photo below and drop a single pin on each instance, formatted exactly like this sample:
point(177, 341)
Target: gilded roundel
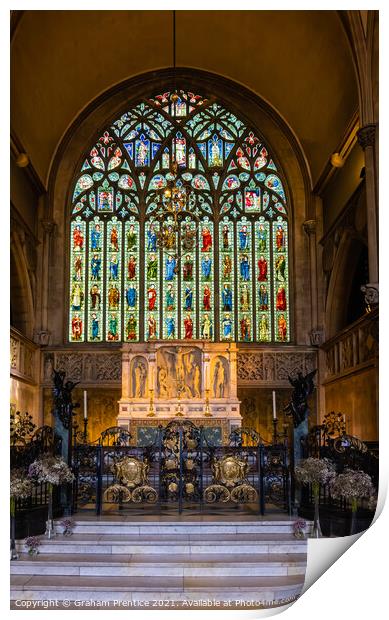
point(229, 470)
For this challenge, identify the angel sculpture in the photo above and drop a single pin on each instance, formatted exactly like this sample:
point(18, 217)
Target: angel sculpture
point(303, 388)
point(63, 404)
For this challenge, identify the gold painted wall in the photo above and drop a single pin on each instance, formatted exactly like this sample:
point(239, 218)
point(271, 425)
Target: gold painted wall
point(103, 409)
point(257, 409)
point(24, 397)
point(356, 397)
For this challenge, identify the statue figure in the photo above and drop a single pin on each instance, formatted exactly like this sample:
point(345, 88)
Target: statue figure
point(63, 402)
point(196, 382)
point(218, 383)
point(303, 388)
point(140, 380)
point(162, 381)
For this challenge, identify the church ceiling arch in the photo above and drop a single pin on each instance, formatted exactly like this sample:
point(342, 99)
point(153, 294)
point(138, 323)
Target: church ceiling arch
point(302, 67)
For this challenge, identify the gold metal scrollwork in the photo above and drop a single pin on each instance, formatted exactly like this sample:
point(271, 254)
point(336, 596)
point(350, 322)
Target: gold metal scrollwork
point(132, 474)
point(229, 470)
point(216, 493)
point(229, 483)
point(244, 494)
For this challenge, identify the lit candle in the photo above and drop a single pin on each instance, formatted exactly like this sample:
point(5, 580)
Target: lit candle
point(85, 405)
point(274, 406)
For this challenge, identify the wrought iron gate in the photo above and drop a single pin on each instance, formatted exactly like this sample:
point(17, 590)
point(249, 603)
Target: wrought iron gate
point(180, 469)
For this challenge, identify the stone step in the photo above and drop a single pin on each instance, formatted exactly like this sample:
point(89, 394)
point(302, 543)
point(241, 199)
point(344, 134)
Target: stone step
point(192, 565)
point(177, 543)
point(174, 589)
point(111, 527)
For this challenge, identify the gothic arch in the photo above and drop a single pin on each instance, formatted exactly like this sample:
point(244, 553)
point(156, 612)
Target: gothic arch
point(22, 304)
point(274, 129)
point(342, 274)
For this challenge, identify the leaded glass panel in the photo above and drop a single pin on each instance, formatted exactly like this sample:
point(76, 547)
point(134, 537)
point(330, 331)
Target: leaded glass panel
point(231, 282)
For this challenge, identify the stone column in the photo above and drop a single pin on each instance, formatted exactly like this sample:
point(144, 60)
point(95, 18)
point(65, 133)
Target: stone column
point(125, 374)
point(41, 332)
point(233, 352)
point(316, 332)
point(366, 139)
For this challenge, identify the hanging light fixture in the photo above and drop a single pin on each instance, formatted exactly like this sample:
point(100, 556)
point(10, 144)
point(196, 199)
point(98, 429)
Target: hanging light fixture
point(173, 198)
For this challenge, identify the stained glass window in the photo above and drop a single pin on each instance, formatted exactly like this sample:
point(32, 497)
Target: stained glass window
point(224, 274)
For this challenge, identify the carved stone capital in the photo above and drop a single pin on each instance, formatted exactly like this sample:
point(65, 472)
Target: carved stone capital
point(42, 337)
point(366, 135)
point(317, 336)
point(309, 227)
point(48, 226)
point(370, 290)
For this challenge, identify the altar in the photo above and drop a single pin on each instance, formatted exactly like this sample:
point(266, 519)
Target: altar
point(196, 381)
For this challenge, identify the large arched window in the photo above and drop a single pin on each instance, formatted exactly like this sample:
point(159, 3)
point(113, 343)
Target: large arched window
point(232, 283)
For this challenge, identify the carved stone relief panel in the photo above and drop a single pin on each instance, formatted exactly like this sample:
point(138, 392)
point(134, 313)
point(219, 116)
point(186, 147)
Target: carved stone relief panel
point(273, 366)
point(84, 366)
point(14, 353)
point(179, 368)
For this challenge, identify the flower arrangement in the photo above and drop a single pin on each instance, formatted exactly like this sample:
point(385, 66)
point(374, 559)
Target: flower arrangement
point(32, 543)
point(68, 525)
point(20, 485)
point(50, 469)
point(299, 528)
point(315, 472)
point(54, 471)
point(20, 488)
point(353, 485)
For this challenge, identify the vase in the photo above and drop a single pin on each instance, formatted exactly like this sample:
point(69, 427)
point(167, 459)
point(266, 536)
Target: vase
point(14, 554)
point(50, 532)
point(316, 530)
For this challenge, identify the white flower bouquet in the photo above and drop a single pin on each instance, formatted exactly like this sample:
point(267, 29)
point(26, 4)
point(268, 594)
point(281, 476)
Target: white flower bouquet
point(353, 485)
point(50, 469)
point(315, 472)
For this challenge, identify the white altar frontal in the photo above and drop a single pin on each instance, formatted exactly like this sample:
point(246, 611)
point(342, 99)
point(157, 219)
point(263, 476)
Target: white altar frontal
point(164, 380)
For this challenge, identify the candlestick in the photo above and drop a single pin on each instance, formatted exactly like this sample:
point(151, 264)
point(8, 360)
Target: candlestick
point(151, 413)
point(85, 405)
point(85, 430)
point(207, 412)
point(274, 406)
point(179, 413)
point(275, 431)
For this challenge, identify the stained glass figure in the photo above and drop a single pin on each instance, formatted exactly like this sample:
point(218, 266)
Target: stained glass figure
point(281, 279)
point(77, 280)
point(105, 198)
point(142, 152)
point(263, 278)
point(113, 290)
point(245, 280)
point(206, 278)
point(252, 200)
point(179, 147)
point(131, 282)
